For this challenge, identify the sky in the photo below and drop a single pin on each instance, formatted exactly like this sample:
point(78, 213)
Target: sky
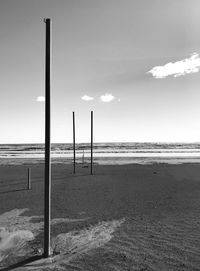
point(135, 63)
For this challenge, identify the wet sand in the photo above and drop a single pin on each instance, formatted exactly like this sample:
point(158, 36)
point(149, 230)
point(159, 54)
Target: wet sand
point(126, 217)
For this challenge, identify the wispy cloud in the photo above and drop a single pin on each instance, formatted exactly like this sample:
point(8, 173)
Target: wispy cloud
point(40, 99)
point(106, 98)
point(87, 98)
point(182, 67)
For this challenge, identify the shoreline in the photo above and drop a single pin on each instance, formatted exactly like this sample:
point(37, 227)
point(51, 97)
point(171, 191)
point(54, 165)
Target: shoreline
point(120, 160)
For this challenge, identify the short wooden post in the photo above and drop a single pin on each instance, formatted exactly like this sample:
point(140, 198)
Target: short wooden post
point(83, 158)
point(29, 178)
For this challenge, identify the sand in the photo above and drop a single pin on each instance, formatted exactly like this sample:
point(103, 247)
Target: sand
point(124, 217)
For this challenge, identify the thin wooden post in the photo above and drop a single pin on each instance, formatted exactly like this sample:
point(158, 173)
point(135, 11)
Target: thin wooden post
point(83, 158)
point(29, 178)
point(91, 142)
point(74, 143)
point(47, 188)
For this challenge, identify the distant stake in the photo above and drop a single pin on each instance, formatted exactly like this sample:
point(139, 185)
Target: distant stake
point(74, 143)
point(91, 142)
point(47, 184)
point(29, 178)
point(83, 158)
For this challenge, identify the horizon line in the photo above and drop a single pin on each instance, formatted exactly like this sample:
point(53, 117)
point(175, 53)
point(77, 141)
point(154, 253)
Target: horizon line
point(100, 142)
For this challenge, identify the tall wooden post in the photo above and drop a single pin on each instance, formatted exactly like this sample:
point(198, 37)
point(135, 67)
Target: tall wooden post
point(91, 142)
point(47, 188)
point(74, 143)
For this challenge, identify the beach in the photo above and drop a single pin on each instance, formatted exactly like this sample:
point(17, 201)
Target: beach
point(123, 217)
point(100, 135)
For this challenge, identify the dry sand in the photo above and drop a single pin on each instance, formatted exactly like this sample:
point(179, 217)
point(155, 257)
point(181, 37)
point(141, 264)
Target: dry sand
point(124, 217)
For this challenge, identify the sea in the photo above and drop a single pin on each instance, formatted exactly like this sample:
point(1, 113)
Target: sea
point(110, 152)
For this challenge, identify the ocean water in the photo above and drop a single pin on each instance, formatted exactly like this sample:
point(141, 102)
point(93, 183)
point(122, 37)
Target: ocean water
point(100, 150)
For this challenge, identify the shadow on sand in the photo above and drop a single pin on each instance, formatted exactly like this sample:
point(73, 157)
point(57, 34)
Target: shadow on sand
point(23, 263)
point(11, 191)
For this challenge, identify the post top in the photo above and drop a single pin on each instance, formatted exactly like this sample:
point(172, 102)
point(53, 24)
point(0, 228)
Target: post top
point(47, 20)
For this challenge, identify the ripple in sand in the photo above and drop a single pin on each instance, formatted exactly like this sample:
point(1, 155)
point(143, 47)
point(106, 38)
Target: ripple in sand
point(16, 232)
point(19, 230)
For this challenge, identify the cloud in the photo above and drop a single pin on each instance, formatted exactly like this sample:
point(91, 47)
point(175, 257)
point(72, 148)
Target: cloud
point(40, 99)
point(182, 67)
point(107, 98)
point(87, 98)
